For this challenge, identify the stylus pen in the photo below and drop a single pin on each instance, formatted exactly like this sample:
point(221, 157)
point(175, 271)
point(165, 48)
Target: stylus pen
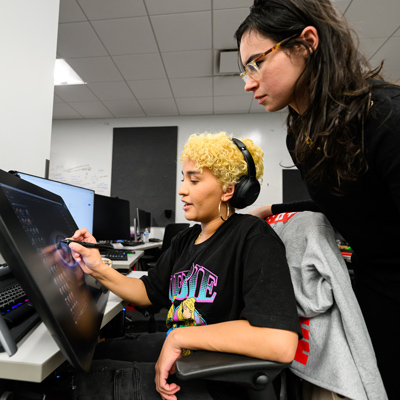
point(90, 245)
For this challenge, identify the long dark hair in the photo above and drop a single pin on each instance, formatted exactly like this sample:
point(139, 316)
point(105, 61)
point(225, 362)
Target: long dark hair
point(338, 79)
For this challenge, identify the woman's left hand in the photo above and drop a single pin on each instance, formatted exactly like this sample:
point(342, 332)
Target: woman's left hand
point(165, 366)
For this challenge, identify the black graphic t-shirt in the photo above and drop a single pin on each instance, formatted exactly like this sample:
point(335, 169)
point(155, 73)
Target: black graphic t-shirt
point(239, 273)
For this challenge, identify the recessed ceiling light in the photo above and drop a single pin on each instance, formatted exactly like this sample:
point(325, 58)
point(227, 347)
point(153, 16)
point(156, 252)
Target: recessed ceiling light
point(65, 75)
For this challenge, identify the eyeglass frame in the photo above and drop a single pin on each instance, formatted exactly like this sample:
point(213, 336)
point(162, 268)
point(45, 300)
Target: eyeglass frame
point(245, 74)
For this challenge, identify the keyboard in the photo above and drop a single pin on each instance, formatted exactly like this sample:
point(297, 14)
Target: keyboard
point(11, 298)
point(130, 243)
point(115, 255)
point(16, 310)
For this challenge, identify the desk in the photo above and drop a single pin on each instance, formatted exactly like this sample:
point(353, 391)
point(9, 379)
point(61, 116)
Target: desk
point(143, 246)
point(130, 263)
point(38, 354)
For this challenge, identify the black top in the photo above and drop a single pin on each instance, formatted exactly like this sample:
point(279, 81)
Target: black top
point(368, 215)
point(240, 272)
point(305, 205)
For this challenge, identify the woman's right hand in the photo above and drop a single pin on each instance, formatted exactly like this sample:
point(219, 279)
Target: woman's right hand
point(165, 366)
point(89, 259)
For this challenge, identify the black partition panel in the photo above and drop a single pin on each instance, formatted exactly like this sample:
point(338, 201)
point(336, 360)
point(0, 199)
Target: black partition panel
point(144, 170)
point(293, 187)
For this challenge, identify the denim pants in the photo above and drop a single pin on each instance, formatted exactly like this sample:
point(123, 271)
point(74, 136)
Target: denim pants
point(123, 369)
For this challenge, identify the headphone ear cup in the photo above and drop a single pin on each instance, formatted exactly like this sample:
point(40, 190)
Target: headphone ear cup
point(248, 187)
point(246, 192)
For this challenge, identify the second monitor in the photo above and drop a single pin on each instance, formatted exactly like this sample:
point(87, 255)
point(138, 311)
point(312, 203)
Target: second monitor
point(111, 218)
point(143, 221)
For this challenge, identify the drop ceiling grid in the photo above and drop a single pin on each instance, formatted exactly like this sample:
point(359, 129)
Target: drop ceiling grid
point(157, 57)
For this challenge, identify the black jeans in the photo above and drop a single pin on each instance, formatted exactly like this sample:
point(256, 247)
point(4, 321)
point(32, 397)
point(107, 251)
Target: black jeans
point(123, 369)
point(381, 314)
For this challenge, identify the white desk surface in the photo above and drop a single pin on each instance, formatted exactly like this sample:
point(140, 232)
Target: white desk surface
point(143, 246)
point(132, 259)
point(38, 354)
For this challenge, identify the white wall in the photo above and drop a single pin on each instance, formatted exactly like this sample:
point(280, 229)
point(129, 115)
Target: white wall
point(81, 150)
point(28, 40)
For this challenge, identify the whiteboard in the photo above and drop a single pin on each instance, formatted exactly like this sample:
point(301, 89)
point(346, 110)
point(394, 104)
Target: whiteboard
point(97, 179)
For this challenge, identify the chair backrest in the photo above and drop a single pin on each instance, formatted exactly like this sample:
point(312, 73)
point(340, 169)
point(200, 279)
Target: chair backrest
point(172, 230)
point(336, 350)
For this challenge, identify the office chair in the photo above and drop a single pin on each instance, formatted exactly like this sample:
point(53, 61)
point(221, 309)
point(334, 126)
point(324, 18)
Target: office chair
point(335, 353)
point(171, 230)
point(255, 374)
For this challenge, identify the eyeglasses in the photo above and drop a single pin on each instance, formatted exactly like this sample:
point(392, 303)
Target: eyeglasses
point(252, 69)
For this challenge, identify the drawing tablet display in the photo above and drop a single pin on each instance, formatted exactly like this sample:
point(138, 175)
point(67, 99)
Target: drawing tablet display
point(32, 223)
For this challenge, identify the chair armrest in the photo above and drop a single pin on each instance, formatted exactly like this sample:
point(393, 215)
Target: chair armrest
point(254, 373)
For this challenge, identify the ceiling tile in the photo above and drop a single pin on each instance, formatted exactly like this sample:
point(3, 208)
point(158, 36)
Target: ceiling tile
point(105, 9)
point(71, 93)
point(124, 108)
point(155, 7)
point(151, 89)
point(78, 39)
point(196, 27)
point(362, 16)
point(370, 46)
point(96, 69)
point(126, 35)
point(70, 12)
point(64, 111)
point(228, 86)
point(111, 90)
point(195, 106)
point(232, 104)
point(392, 74)
point(140, 67)
point(225, 24)
point(389, 52)
point(159, 107)
point(341, 5)
point(91, 109)
point(56, 99)
point(192, 87)
point(188, 64)
point(224, 4)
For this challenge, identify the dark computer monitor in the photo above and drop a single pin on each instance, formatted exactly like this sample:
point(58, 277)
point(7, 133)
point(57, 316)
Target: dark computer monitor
point(143, 220)
point(79, 200)
point(71, 304)
point(111, 218)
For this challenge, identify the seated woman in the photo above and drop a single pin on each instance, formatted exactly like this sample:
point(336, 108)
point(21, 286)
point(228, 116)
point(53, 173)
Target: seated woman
point(224, 280)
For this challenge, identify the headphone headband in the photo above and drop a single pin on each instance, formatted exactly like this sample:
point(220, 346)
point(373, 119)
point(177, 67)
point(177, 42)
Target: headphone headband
point(251, 168)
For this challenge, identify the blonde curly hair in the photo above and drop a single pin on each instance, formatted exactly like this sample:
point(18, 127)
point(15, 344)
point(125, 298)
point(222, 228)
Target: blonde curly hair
point(218, 153)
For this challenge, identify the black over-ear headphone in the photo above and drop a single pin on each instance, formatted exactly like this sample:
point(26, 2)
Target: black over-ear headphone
point(248, 187)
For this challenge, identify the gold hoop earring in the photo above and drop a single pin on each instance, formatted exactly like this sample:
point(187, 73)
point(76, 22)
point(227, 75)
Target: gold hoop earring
point(227, 211)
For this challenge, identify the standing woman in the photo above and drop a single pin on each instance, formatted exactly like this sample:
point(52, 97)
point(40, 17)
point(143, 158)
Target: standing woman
point(225, 281)
point(343, 134)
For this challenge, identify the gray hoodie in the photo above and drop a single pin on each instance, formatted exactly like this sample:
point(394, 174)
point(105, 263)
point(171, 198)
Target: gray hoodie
point(336, 351)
